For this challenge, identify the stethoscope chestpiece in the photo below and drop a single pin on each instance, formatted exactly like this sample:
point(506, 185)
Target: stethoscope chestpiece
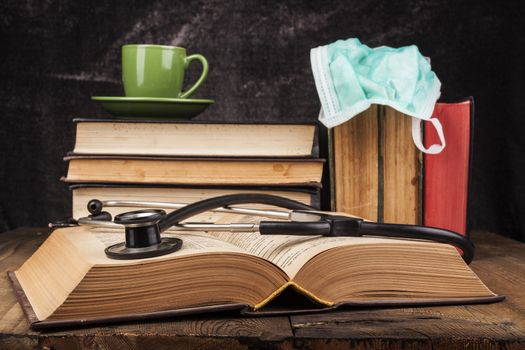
point(142, 236)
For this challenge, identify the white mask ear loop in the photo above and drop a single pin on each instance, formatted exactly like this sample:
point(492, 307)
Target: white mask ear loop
point(416, 136)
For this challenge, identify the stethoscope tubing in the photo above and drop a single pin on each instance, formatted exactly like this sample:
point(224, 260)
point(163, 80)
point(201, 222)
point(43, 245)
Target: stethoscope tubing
point(277, 214)
point(314, 222)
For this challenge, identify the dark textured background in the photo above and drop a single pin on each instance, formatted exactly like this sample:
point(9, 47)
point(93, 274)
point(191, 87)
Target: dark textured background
point(56, 54)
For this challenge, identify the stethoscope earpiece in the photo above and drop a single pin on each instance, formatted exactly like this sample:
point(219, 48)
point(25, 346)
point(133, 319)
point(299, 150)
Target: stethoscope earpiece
point(95, 206)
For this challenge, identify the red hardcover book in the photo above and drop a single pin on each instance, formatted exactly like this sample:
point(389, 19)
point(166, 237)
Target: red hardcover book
point(446, 175)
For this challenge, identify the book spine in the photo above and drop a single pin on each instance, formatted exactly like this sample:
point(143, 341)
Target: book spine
point(401, 169)
point(376, 167)
point(325, 151)
point(355, 159)
point(447, 173)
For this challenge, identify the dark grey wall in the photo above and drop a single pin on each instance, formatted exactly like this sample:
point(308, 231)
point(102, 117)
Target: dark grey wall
point(56, 54)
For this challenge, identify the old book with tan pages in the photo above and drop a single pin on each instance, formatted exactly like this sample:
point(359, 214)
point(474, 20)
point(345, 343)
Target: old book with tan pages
point(194, 171)
point(69, 279)
point(376, 170)
point(83, 193)
point(194, 138)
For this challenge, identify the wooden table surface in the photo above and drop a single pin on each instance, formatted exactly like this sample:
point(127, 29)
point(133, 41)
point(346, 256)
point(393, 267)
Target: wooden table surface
point(500, 263)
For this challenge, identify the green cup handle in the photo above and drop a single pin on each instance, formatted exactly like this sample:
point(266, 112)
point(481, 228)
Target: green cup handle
point(203, 76)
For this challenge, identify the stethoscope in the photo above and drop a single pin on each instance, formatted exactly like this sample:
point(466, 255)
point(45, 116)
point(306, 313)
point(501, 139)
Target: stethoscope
point(143, 227)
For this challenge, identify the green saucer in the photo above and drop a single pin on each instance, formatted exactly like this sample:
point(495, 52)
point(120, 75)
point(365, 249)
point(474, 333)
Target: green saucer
point(152, 107)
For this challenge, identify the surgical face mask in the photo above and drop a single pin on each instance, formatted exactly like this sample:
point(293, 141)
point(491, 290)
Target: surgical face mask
point(350, 76)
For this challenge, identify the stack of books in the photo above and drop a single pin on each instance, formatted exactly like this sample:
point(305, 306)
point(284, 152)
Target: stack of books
point(249, 273)
point(181, 161)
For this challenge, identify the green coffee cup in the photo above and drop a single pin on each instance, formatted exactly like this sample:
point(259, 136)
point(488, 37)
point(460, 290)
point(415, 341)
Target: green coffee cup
point(158, 71)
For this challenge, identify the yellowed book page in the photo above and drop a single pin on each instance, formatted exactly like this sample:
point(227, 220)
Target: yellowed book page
point(170, 139)
point(48, 277)
point(93, 241)
point(210, 171)
point(290, 253)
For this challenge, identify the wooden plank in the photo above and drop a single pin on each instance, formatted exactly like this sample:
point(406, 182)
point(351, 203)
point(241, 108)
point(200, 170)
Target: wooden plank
point(222, 330)
point(189, 333)
point(401, 169)
point(418, 328)
point(500, 263)
point(15, 247)
point(356, 165)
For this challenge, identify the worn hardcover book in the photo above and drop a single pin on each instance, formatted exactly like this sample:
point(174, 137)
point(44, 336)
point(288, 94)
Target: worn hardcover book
point(83, 193)
point(192, 171)
point(69, 279)
point(375, 169)
point(195, 139)
point(447, 173)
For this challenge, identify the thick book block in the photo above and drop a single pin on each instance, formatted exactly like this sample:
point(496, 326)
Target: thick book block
point(195, 138)
point(69, 280)
point(194, 171)
point(447, 173)
point(375, 167)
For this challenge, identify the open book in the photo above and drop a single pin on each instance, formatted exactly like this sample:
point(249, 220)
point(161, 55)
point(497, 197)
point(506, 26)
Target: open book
point(69, 279)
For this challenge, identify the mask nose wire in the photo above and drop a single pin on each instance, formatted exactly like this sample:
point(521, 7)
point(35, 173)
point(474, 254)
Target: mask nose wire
point(193, 209)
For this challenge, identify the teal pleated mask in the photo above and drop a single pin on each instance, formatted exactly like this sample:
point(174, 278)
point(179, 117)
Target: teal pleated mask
point(350, 76)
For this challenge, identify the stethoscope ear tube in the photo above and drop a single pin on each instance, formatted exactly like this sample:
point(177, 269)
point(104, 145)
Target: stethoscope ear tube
point(190, 210)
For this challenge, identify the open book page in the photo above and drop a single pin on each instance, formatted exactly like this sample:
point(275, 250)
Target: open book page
point(93, 241)
point(290, 253)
